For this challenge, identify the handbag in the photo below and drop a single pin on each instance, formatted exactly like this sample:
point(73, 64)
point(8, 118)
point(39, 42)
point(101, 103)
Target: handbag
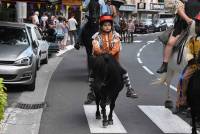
point(164, 37)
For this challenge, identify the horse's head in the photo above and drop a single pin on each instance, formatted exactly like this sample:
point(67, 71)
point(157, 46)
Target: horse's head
point(94, 11)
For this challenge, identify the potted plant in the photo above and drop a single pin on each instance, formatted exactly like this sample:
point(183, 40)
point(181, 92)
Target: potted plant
point(3, 99)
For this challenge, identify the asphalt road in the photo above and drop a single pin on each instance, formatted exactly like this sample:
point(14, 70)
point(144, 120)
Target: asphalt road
point(69, 86)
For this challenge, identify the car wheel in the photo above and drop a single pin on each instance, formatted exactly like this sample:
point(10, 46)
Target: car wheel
point(31, 87)
point(46, 59)
point(38, 63)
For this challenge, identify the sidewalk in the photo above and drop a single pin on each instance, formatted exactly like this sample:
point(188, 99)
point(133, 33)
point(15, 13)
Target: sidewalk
point(24, 117)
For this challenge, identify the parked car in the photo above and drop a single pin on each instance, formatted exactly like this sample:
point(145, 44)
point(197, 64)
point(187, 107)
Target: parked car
point(42, 52)
point(53, 47)
point(170, 22)
point(18, 55)
point(50, 37)
point(144, 26)
point(160, 25)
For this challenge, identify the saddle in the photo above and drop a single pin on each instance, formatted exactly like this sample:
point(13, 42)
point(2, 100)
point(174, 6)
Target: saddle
point(180, 44)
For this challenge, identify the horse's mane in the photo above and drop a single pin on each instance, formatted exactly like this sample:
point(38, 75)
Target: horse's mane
point(106, 66)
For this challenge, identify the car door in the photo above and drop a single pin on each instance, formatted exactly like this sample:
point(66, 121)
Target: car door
point(42, 43)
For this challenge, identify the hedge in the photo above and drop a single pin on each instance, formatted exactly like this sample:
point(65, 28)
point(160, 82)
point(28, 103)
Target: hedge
point(3, 99)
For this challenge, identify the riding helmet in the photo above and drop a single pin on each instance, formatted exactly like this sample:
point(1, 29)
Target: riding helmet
point(104, 18)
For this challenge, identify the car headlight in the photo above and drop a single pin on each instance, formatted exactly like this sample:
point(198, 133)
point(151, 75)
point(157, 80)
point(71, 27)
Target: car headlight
point(24, 61)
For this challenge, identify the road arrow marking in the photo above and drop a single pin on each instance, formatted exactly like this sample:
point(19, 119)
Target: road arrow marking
point(165, 120)
point(96, 125)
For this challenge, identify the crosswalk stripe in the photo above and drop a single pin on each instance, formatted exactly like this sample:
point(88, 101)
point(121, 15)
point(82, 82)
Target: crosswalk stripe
point(96, 125)
point(165, 120)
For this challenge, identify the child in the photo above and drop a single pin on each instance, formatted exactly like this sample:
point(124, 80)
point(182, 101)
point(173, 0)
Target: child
point(108, 41)
point(193, 58)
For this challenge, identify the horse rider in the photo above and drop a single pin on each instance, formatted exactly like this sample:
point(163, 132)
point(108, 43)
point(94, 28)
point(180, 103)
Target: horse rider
point(185, 12)
point(108, 41)
point(193, 58)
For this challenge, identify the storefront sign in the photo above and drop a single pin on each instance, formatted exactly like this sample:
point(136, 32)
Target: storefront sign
point(155, 6)
point(72, 2)
point(131, 8)
point(141, 6)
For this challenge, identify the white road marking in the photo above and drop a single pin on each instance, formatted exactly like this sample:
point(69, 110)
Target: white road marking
point(151, 41)
point(139, 60)
point(96, 125)
point(148, 70)
point(171, 86)
point(165, 120)
point(137, 41)
point(69, 47)
point(138, 54)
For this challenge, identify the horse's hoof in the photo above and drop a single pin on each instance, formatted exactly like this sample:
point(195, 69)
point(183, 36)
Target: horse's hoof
point(98, 117)
point(105, 123)
point(169, 104)
point(110, 122)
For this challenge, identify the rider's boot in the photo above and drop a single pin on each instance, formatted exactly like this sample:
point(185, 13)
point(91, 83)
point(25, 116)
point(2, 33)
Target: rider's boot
point(90, 97)
point(163, 68)
point(130, 91)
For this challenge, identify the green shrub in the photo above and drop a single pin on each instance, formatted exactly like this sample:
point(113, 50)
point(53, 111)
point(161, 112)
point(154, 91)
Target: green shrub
point(3, 99)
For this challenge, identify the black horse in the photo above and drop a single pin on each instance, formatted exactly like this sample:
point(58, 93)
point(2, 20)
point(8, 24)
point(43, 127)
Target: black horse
point(193, 98)
point(90, 28)
point(108, 82)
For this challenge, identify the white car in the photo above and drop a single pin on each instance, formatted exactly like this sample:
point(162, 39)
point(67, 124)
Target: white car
point(43, 45)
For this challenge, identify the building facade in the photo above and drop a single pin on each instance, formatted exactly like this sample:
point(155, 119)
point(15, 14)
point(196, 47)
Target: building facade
point(143, 9)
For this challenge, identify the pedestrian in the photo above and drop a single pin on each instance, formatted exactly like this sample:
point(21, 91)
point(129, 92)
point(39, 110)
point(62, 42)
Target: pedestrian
point(65, 28)
point(193, 58)
point(72, 23)
point(111, 9)
point(131, 29)
point(123, 29)
point(184, 16)
point(108, 41)
point(35, 19)
point(44, 19)
point(60, 32)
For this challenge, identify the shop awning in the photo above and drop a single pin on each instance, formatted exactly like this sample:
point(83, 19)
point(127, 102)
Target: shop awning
point(32, 1)
point(72, 2)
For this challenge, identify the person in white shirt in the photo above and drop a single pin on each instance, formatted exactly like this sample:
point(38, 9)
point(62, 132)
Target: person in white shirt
point(35, 19)
point(72, 29)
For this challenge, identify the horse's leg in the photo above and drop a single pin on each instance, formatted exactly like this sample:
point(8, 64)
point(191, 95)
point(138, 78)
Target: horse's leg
point(103, 107)
point(98, 115)
point(169, 102)
point(112, 106)
point(194, 129)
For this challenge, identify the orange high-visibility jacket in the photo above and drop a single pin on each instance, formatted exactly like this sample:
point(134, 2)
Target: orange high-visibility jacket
point(106, 43)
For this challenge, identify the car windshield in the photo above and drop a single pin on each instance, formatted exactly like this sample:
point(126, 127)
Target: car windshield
point(146, 21)
point(13, 36)
point(169, 20)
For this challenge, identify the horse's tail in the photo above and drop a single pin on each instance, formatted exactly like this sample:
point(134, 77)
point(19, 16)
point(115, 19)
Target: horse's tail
point(161, 80)
point(164, 78)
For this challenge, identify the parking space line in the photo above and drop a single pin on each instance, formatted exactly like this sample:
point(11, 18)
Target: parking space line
point(96, 125)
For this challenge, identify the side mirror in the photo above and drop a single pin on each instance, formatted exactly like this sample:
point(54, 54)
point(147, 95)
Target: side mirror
point(34, 44)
